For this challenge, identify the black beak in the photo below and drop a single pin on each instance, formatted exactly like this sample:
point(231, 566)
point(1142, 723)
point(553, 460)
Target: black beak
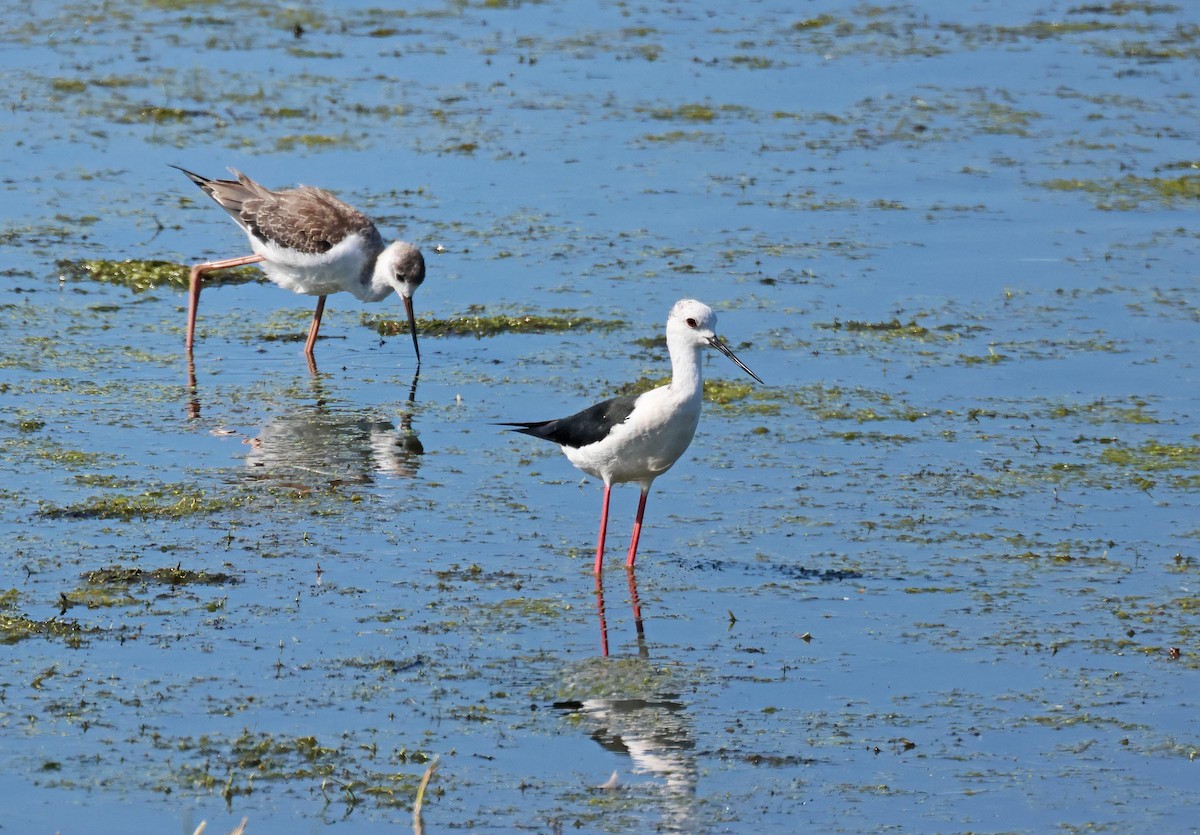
point(412, 325)
point(716, 342)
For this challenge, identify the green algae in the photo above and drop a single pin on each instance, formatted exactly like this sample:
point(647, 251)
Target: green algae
point(164, 503)
point(117, 575)
point(141, 275)
point(1131, 191)
point(1124, 7)
point(685, 113)
point(893, 327)
point(1152, 456)
point(814, 22)
point(15, 627)
point(312, 141)
point(480, 326)
point(339, 771)
point(1133, 411)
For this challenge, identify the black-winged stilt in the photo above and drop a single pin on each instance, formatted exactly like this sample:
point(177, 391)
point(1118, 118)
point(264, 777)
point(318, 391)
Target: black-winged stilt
point(637, 437)
point(310, 242)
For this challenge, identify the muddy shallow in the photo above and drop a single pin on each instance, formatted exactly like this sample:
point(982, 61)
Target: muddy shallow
point(940, 573)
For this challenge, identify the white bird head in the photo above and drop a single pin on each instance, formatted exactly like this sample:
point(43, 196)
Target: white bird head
point(693, 324)
point(404, 268)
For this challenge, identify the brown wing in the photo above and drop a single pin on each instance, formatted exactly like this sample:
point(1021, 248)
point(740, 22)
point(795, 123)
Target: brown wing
point(306, 219)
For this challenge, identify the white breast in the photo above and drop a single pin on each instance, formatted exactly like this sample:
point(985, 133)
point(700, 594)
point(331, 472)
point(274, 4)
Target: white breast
point(339, 269)
point(647, 444)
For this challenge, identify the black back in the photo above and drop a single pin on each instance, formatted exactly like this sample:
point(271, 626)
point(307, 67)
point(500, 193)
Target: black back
point(582, 428)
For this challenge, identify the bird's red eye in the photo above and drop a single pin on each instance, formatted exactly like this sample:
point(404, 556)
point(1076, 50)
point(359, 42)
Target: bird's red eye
point(691, 323)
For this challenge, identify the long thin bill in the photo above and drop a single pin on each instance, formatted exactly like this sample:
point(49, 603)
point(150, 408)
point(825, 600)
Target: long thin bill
point(724, 349)
point(412, 326)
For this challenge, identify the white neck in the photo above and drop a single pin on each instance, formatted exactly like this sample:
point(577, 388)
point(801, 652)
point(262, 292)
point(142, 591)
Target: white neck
point(686, 379)
point(379, 287)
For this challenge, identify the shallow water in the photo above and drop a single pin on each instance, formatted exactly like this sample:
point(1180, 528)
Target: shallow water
point(940, 573)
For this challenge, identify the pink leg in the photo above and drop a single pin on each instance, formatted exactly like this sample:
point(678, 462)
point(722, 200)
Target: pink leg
point(194, 287)
point(637, 528)
point(603, 527)
point(600, 609)
point(314, 327)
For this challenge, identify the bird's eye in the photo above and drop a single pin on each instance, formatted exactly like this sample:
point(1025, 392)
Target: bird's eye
point(691, 323)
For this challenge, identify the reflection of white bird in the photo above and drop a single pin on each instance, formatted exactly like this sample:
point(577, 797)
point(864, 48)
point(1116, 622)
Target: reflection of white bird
point(638, 437)
point(655, 735)
point(311, 242)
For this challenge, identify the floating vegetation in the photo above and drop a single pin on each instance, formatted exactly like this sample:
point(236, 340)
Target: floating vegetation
point(16, 627)
point(1105, 411)
point(480, 326)
point(894, 329)
point(233, 767)
point(1153, 455)
point(174, 576)
point(1124, 7)
point(171, 503)
point(140, 275)
point(1042, 29)
point(311, 141)
point(814, 22)
point(1131, 191)
point(686, 113)
point(159, 115)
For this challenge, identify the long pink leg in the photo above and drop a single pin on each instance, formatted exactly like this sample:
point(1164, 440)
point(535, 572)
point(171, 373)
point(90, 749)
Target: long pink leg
point(314, 327)
point(194, 287)
point(603, 527)
point(637, 528)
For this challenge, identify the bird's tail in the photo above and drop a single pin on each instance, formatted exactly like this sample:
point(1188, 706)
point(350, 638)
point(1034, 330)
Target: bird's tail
point(230, 195)
point(537, 428)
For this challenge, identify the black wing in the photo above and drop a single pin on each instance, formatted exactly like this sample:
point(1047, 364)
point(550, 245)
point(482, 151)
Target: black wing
point(582, 428)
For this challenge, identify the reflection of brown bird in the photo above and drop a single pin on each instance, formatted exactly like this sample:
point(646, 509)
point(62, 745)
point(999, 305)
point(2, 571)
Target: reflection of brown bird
point(313, 443)
point(310, 242)
point(306, 443)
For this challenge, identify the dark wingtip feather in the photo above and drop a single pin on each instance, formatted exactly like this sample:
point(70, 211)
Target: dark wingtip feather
point(195, 178)
point(526, 427)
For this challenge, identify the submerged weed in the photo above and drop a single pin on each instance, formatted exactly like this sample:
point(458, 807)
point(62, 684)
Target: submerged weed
point(1152, 456)
point(16, 627)
point(139, 275)
point(480, 326)
point(176, 576)
point(170, 503)
point(1130, 192)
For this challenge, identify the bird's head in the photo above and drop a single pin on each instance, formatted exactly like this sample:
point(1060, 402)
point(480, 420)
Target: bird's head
point(404, 267)
point(693, 324)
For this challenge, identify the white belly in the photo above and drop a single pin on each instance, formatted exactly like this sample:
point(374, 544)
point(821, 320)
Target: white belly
point(646, 445)
point(339, 270)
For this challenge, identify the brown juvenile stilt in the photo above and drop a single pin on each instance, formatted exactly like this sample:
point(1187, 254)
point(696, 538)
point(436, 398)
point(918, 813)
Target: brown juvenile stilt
point(311, 242)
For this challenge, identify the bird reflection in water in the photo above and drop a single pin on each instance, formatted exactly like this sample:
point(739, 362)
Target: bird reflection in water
point(319, 444)
point(641, 717)
point(316, 443)
point(637, 614)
